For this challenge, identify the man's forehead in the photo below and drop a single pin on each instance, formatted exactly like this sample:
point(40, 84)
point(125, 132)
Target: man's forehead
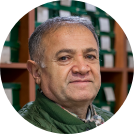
point(68, 33)
point(71, 29)
point(63, 32)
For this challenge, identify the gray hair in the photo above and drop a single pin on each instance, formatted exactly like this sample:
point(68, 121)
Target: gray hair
point(36, 48)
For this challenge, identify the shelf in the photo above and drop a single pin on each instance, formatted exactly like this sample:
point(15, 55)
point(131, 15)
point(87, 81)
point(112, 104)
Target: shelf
point(103, 69)
point(14, 65)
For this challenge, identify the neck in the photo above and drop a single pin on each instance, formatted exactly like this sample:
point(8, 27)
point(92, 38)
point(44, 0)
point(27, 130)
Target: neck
point(81, 112)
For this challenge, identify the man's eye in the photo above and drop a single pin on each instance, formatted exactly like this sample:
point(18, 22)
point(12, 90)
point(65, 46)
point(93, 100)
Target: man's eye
point(64, 58)
point(91, 57)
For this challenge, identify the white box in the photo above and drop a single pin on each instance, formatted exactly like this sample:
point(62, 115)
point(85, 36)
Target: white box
point(42, 14)
point(108, 60)
point(105, 43)
point(9, 95)
point(130, 61)
point(109, 93)
point(63, 13)
point(90, 7)
point(66, 2)
point(104, 24)
point(6, 54)
point(128, 46)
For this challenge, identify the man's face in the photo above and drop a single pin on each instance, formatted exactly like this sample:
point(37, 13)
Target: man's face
point(72, 72)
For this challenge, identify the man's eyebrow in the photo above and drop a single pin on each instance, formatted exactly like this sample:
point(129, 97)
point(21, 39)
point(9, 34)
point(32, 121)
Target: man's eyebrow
point(87, 50)
point(71, 51)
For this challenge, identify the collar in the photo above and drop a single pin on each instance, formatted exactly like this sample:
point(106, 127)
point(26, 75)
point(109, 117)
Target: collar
point(88, 116)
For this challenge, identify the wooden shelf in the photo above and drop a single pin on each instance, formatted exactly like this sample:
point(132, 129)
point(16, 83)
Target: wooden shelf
point(14, 65)
point(111, 69)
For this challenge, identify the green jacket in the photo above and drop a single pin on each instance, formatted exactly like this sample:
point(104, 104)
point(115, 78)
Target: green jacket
point(47, 115)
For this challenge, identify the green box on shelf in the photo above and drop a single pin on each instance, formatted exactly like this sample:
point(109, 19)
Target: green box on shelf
point(130, 61)
point(55, 13)
point(101, 95)
point(106, 41)
point(129, 86)
point(14, 33)
point(80, 4)
point(77, 8)
point(14, 50)
point(52, 13)
point(14, 89)
point(72, 9)
point(104, 52)
point(104, 24)
point(101, 100)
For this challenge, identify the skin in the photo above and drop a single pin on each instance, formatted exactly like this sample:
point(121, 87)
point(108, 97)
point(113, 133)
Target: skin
point(71, 77)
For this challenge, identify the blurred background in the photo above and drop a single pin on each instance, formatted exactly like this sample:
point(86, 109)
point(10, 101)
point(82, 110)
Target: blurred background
point(116, 58)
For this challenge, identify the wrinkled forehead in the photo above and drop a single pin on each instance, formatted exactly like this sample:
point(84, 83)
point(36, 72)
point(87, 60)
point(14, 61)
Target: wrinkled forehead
point(71, 29)
point(65, 26)
point(67, 29)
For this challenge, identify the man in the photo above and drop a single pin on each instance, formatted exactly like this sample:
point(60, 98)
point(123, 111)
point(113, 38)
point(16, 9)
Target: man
point(64, 62)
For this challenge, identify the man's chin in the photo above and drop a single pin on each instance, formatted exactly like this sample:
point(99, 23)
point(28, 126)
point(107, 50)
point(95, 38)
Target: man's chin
point(82, 97)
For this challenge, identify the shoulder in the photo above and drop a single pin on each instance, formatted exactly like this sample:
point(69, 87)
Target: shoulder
point(28, 112)
point(25, 109)
point(32, 113)
point(106, 115)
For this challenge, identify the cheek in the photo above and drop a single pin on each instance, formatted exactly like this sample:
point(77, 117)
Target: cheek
point(63, 74)
point(59, 74)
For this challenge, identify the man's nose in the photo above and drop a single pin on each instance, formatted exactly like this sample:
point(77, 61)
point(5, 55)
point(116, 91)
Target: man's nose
point(81, 66)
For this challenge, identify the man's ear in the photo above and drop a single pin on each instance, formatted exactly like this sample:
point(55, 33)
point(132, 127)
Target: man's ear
point(34, 70)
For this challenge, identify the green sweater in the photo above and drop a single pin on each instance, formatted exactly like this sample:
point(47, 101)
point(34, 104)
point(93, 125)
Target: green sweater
point(47, 115)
